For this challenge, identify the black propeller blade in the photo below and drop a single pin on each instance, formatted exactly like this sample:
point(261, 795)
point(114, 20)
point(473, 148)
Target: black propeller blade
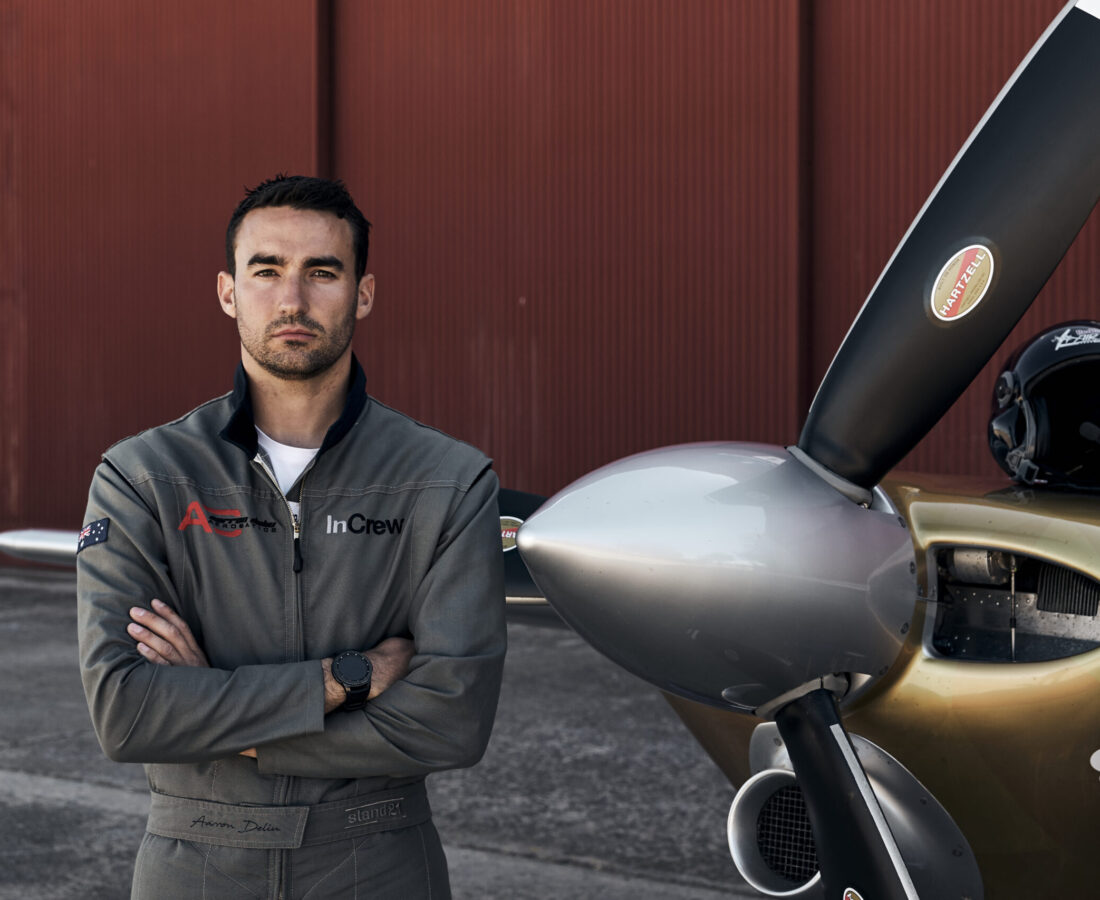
point(986, 241)
point(855, 847)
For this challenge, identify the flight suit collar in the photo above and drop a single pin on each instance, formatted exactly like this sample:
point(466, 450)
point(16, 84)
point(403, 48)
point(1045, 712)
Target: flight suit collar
point(240, 429)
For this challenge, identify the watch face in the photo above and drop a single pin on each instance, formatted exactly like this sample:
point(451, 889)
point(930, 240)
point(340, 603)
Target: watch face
point(351, 669)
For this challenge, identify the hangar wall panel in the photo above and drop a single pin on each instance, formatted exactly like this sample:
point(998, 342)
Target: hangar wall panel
point(587, 220)
point(129, 130)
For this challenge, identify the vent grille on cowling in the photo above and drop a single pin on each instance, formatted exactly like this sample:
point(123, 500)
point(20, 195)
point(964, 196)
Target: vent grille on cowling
point(1065, 591)
point(784, 836)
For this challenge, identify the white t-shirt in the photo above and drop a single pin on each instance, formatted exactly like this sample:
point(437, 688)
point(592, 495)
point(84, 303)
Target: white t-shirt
point(286, 462)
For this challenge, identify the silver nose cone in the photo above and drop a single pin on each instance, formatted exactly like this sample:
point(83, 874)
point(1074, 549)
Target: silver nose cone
point(727, 573)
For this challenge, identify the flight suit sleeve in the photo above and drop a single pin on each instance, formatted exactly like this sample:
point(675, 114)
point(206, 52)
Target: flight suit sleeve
point(441, 714)
point(149, 713)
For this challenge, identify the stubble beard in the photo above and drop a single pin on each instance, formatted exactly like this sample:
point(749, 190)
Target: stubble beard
point(296, 361)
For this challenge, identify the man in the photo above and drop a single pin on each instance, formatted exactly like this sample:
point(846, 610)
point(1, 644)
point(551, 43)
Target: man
point(290, 599)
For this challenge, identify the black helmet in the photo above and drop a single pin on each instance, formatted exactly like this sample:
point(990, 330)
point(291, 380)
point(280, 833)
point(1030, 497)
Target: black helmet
point(1045, 424)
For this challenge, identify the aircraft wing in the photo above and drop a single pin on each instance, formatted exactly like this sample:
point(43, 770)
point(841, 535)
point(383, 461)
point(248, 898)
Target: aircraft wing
point(57, 547)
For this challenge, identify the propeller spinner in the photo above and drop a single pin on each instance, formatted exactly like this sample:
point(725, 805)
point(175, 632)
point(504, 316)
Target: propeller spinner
point(728, 573)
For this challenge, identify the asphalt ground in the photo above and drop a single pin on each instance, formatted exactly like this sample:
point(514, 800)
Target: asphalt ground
point(590, 788)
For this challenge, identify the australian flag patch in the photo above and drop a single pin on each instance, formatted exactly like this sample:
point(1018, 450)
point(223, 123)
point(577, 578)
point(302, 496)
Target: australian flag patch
point(90, 535)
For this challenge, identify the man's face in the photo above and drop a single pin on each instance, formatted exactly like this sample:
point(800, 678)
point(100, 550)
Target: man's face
point(294, 296)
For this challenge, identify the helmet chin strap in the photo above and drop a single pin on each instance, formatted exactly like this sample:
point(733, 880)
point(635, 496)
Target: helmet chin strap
point(1019, 458)
point(1027, 471)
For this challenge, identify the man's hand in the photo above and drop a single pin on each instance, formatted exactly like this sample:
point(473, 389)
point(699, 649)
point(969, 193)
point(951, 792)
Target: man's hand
point(164, 638)
point(390, 660)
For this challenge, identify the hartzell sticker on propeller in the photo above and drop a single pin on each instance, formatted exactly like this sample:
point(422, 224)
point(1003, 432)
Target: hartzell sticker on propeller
point(962, 283)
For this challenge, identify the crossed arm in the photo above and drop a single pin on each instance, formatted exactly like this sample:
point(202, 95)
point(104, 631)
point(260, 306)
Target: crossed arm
point(428, 712)
point(165, 639)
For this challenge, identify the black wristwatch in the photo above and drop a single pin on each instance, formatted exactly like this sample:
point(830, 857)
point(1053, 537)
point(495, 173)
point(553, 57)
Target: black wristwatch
point(353, 670)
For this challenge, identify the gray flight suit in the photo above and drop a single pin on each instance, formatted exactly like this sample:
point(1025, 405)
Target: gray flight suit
point(397, 535)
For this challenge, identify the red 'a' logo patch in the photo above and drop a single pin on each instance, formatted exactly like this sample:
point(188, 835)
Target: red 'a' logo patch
point(213, 521)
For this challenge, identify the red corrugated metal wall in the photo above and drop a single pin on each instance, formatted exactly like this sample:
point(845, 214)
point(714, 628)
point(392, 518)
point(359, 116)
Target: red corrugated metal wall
point(599, 226)
point(131, 129)
point(586, 220)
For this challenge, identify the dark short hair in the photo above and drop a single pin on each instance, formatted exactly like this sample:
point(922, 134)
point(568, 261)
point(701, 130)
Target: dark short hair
point(302, 192)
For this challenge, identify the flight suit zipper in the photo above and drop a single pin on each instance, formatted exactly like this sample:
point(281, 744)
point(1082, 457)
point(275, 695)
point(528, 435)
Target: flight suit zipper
point(284, 790)
point(295, 520)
